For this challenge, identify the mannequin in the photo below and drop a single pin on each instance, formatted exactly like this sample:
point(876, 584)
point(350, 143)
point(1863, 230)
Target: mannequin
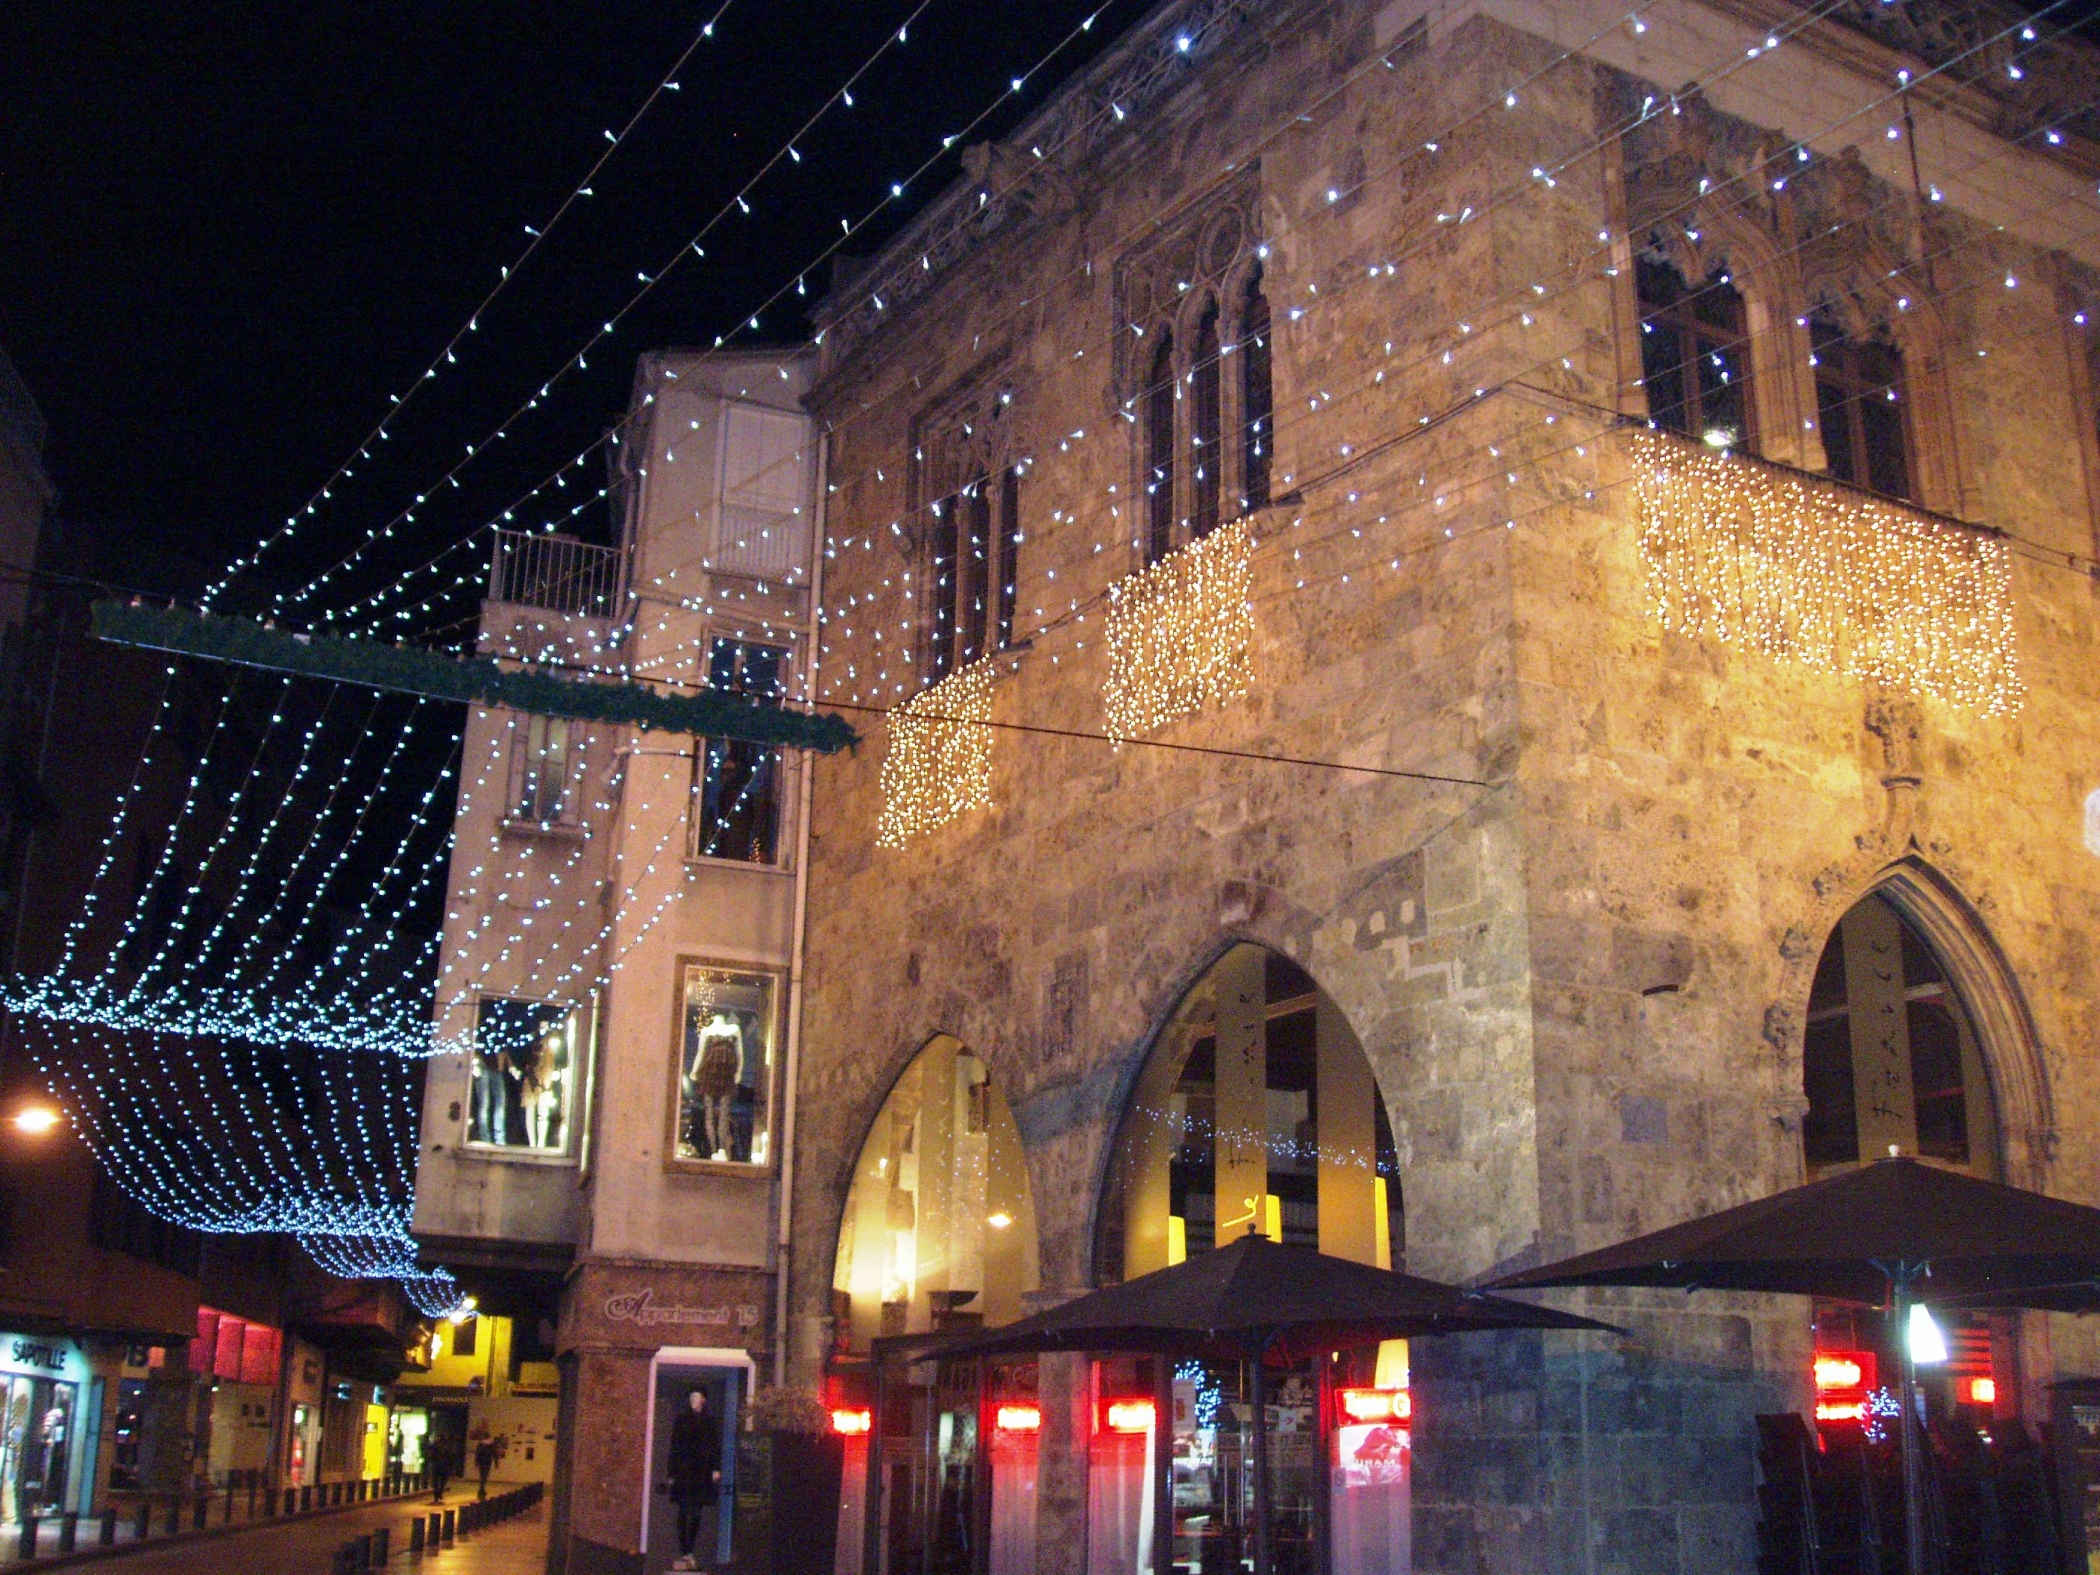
point(540, 1090)
point(492, 1066)
point(718, 1057)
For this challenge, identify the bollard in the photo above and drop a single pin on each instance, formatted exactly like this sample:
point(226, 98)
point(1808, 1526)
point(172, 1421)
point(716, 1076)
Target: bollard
point(68, 1531)
point(437, 1534)
point(200, 1511)
point(254, 1483)
point(174, 1513)
point(306, 1498)
point(415, 1536)
point(106, 1534)
point(382, 1545)
point(28, 1548)
point(228, 1518)
point(144, 1528)
point(451, 1524)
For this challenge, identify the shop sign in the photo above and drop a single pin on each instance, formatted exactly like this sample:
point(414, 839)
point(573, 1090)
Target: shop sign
point(22, 1353)
point(642, 1309)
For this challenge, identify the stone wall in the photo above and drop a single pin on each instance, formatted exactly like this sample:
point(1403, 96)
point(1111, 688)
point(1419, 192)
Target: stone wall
point(1578, 964)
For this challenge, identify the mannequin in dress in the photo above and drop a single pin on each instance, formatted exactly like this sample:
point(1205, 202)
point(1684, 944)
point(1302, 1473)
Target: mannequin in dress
point(718, 1056)
point(540, 1090)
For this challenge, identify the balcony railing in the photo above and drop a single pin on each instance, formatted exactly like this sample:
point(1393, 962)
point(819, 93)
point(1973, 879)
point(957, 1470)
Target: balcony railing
point(556, 572)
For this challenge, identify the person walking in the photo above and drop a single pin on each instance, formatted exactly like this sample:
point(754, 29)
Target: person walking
point(484, 1463)
point(442, 1468)
point(695, 1470)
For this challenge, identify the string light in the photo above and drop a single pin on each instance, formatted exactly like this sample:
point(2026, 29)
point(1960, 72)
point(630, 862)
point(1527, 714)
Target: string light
point(1803, 570)
point(939, 765)
point(1181, 634)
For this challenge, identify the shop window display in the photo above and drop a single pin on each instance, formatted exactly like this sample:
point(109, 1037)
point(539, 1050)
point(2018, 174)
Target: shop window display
point(526, 1058)
point(729, 1018)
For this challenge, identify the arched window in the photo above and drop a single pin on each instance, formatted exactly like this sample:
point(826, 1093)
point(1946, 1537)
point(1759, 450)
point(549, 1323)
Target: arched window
point(973, 565)
point(1257, 399)
point(1695, 355)
point(1890, 1059)
point(1206, 455)
point(1256, 1113)
point(1859, 397)
point(1159, 452)
point(939, 1230)
point(1891, 1063)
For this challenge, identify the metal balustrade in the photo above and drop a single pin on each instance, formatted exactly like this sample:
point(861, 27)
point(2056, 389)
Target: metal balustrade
point(558, 573)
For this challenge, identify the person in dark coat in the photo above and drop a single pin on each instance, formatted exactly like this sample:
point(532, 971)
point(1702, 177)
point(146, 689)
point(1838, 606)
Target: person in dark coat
point(695, 1470)
point(484, 1463)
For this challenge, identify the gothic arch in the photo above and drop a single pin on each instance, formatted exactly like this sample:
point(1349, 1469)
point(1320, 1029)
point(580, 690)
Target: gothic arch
point(2004, 1026)
point(1196, 1155)
point(938, 1214)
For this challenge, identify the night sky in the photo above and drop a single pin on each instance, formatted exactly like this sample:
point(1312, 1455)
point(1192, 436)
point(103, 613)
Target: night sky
point(229, 232)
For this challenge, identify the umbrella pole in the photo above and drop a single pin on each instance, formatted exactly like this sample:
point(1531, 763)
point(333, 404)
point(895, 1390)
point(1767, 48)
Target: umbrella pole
point(1913, 1500)
point(1260, 1388)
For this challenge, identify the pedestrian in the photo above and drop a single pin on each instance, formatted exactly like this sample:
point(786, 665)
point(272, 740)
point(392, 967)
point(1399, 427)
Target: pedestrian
point(695, 1471)
point(484, 1463)
point(442, 1467)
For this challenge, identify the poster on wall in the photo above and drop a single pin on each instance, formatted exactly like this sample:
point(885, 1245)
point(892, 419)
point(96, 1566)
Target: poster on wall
point(725, 1064)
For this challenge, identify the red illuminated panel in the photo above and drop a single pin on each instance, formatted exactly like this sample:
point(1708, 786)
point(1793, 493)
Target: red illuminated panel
point(849, 1422)
point(1020, 1419)
point(1845, 1370)
point(1982, 1391)
point(1127, 1416)
point(1376, 1405)
point(1841, 1410)
point(259, 1350)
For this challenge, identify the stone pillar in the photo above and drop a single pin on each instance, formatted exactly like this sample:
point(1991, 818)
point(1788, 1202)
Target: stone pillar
point(1062, 1391)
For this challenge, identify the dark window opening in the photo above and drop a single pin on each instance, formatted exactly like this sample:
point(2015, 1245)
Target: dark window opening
point(1695, 358)
point(1889, 1057)
point(736, 783)
point(940, 658)
point(1159, 453)
point(1859, 397)
point(1257, 399)
point(974, 547)
point(1205, 433)
point(1009, 551)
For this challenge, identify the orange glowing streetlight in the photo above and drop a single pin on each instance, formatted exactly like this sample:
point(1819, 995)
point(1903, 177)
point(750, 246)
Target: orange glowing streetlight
point(37, 1119)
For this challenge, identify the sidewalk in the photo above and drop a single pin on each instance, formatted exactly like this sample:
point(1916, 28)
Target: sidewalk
point(88, 1535)
point(306, 1547)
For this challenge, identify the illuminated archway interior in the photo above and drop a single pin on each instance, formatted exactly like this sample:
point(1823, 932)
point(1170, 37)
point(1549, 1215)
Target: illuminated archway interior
point(939, 1230)
point(1257, 1112)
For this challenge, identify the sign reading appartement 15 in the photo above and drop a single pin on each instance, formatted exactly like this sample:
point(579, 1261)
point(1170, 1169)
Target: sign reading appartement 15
point(642, 1309)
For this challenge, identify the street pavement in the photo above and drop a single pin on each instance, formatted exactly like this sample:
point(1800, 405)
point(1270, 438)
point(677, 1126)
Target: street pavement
point(306, 1547)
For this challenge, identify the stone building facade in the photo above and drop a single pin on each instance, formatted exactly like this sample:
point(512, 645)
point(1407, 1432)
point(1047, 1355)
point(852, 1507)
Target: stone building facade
point(1564, 857)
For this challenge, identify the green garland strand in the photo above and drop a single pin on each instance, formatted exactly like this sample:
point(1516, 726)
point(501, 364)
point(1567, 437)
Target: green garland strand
point(478, 679)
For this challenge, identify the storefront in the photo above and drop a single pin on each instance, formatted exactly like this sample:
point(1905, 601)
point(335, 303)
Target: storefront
point(408, 1439)
point(52, 1417)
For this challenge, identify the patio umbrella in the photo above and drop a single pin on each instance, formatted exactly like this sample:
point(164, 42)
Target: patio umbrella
point(1258, 1299)
point(1259, 1302)
point(1875, 1235)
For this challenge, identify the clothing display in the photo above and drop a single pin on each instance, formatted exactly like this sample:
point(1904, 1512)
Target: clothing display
point(718, 1057)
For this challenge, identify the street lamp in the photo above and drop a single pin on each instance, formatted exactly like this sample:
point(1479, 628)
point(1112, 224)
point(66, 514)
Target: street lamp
point(36, 1119)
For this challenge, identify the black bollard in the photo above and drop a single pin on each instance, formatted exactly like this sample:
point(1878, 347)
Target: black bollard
point(68, 1531)
point(28, 1548)
point(200, 1511)
point(415, 1536)
point(364, 1551)
point(144, 1517)
point(106, 1533)
point(229, 1508)
point(174, 1513)
point(451, 1524)
point(382, 1545)
point(437, 1531)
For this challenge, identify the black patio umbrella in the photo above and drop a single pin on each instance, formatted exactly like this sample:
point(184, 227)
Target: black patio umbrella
point(1259, 1302)
point(1256, 1298)
point(1878, 1235)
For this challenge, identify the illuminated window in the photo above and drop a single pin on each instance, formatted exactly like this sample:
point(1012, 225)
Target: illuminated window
point(939, 1228)
point(1695, 356)
point(1859, 397)
point(725, 1067)
point(1257, 1114)
point(527, 1057)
